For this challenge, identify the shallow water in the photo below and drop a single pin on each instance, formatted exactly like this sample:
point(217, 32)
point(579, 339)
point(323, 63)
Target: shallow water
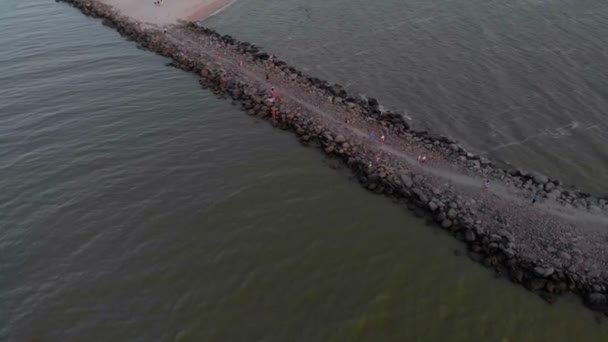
point(136, 206)
point(523, 81)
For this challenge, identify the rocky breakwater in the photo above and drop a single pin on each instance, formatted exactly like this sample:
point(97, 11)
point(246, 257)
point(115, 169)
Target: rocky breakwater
point(546, 263)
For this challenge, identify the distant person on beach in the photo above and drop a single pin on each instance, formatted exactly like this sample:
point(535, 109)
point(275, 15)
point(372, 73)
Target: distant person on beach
point(535, 199)
point(273, 93)
point(382, 139)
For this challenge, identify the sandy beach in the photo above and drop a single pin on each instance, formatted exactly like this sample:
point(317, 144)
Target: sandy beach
point(170, 11)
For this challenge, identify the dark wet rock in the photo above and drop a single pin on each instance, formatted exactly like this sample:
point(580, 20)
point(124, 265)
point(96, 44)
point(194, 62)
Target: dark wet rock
point(446, 223)
point(517, 276)
point(261, 55)
point(548, 298)
point(475, 256)
point(535, 284)
point(419, 212)
point(596, 301)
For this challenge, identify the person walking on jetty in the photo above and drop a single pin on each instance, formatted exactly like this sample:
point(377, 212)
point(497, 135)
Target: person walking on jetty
point(273, 114)
point(535, 199)
point(273, 93)
point(422, 159)
point(486, 185)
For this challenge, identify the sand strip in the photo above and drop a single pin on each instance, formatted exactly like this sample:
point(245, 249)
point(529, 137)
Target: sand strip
point(169, 11)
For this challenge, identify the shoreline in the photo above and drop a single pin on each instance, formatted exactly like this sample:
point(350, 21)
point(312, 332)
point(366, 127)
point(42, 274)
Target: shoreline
point(537, 247)
point(170, 11)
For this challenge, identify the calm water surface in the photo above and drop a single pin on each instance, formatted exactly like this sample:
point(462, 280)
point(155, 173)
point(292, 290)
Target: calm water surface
point(136, 207)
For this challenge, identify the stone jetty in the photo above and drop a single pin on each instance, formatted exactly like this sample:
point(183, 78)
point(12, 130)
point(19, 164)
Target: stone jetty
point(541, 247)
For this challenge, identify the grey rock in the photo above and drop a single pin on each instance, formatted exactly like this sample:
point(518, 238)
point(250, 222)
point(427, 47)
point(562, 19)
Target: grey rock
point(564, 255)
point(543, 271)
point(407, 181)
point(509, 253)
point(539, 178)
point(495, 238)
point(441, 216)
point(446, 223)
point(420, 194)
point(475, 256)
point(535, 284)
point(452, 213)
point(475, 164)
point(549, 186)
point(553, 195)
point(505, 234)
point(328, 136)
point(596, 300)
point(433, 206)
point(469, 236)
point(340, 139)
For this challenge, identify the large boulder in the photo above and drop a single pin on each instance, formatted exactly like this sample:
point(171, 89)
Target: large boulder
point(407, 181)
point(543, 271)
point(452, 213)
point(446, 223)
point(469, 236)
point(539, 178)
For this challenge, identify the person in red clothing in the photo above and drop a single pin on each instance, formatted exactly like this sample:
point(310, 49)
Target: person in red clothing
point(273, 113)
point(422, 159)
